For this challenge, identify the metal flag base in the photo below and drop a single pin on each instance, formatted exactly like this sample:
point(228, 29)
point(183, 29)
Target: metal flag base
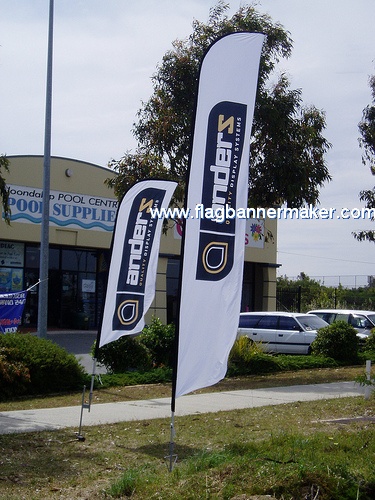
point(80, 436)
point(172, 458)
point(84, 405)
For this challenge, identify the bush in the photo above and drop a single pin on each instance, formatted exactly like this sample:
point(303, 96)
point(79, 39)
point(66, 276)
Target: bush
point(14, 377)
point(153, 348)
point(159, 340)
point(50, 367)
point(370, 341)
point(247, 358)
point(161, 375)
point(338, 341)
point(125, 354)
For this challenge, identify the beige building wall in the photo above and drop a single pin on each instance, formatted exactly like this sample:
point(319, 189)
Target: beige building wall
point(67, 176)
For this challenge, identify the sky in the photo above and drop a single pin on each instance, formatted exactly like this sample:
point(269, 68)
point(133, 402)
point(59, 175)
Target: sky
point(105, 53)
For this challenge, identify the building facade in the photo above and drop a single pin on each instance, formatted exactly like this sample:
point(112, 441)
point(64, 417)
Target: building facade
point(82, 216)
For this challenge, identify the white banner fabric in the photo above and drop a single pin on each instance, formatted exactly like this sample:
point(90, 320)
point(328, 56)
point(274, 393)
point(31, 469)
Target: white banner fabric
point(213, 253)
point(135, 250)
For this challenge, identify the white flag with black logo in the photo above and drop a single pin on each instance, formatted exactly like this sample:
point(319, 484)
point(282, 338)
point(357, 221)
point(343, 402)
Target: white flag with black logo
point(135, 250)
point(213, 253)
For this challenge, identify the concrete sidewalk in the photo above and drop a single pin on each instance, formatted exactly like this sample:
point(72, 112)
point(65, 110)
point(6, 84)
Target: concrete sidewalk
point(109, 413)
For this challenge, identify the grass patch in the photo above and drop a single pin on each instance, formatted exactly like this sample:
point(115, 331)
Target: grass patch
point(289, 451)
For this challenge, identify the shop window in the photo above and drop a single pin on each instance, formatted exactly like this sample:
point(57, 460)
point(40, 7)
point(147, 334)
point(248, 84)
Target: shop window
point(78, 260)
point(248, 287)
point(32, 257)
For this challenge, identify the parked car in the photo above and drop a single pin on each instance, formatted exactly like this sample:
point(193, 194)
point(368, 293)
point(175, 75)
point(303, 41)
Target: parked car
point(363, 321)
point(281, 332)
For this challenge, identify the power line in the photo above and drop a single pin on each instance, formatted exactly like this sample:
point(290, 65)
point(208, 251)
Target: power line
point(326, 258)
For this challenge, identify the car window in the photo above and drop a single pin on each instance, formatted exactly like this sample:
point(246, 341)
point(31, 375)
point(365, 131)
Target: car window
point(359, 321)
point(249, 321)
point(371, 317)
point(342, 317)
point(269, 322)
point(328, 317)
point(287, 323)
point(311, 322)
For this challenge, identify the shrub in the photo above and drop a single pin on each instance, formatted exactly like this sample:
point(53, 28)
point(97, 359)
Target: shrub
point(159, 340)
point(247, 358)
point(370, 341)
point(14, 377)
point(51, 368)
point(338, 341)
point(160, 375)
point(125, 354)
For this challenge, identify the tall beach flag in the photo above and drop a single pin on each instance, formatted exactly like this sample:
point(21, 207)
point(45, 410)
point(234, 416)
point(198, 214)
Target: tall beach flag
point(213, 252)
point(133, 266)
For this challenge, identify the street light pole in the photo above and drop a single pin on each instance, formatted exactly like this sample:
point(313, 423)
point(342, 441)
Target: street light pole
point(44, 237)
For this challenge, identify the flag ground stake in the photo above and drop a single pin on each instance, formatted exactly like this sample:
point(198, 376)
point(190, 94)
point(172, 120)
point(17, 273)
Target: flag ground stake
point(172, 457)
point(85, 405)
point(80, 436)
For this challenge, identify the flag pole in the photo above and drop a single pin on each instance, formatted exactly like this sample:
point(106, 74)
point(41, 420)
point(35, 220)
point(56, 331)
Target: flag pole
point(172, 457)
point(44, 237)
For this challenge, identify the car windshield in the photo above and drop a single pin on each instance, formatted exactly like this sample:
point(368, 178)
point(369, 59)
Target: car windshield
point(371, 317)
point(311, 322)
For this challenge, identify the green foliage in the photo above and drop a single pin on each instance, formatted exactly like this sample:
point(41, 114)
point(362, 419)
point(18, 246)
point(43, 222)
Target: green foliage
point(288, 148)
point(125, 354)
point(338, 341)
point(126, 485)
point(4, 190)
point(160, 375)
point(159, 340)
point(367, 143)
point(295, 362)
point(314, 295)
point(50, 367)
point(247, 358)
point(370, 342)
point(14, 376)
point(153, 348)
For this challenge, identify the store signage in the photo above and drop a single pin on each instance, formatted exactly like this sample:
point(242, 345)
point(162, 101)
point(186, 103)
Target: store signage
point(66, 209)
point(11, 309)
point(11, 254)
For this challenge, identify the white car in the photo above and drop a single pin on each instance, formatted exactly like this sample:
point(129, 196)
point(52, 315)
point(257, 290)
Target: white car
point(363, 321)
point(281, 332)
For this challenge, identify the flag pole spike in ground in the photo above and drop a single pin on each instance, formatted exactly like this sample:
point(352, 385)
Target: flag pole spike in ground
point(84, 405)
point(172, 457)
point(80, 436)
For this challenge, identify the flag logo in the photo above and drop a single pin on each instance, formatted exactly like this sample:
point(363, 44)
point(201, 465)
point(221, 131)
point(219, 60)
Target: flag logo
point(128, 312)
point(224, 146)
point(215, 257)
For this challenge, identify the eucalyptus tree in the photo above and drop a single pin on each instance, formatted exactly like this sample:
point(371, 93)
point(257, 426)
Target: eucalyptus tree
point(4, 190)
point(287, 163)
point(367, 142)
